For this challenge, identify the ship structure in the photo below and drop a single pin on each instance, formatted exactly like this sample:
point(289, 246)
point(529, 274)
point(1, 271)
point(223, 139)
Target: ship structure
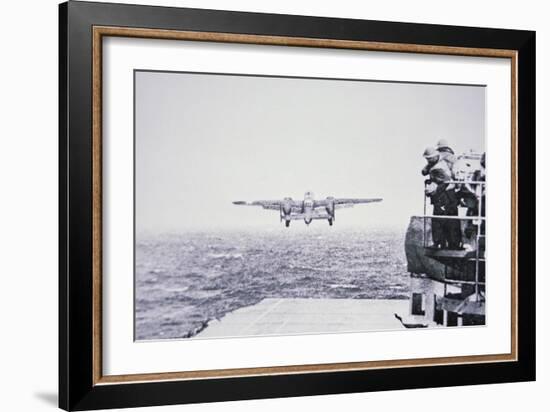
point(447, 286)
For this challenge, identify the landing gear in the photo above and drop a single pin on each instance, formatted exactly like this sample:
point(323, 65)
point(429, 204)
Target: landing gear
point(330, 222)
point(287, 223)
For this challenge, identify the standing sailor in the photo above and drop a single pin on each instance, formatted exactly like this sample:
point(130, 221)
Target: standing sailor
point(479, 176)
point(445, 232)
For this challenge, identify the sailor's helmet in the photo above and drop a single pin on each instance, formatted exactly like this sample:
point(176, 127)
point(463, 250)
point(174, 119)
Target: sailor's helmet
point(430, 153)
point(442, 144)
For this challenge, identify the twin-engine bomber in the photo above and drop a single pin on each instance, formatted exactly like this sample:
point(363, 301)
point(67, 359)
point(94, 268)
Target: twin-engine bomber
point(308, 209)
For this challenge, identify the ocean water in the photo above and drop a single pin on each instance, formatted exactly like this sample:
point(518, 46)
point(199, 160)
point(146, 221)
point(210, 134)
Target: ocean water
point(184, 280)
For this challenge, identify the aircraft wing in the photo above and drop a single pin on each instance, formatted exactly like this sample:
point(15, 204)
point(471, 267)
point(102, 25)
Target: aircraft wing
point(355, 201)
point(345, 202)
point(267, 204)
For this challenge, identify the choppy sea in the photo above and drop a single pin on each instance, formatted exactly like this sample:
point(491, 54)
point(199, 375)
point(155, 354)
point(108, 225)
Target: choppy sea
point(184, 280)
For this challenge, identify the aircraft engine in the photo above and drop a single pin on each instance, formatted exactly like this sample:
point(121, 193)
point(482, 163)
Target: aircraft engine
point(286, 208)
point(330, 206)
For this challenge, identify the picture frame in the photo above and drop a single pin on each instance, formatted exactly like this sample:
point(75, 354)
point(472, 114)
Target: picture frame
point(83, 27)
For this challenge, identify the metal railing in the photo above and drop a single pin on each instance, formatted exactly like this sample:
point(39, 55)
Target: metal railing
point(480, 218)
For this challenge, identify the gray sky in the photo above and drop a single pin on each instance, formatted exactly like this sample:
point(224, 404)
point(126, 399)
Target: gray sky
point(203, 141)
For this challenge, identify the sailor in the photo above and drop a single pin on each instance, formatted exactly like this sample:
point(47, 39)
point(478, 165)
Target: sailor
point(467, 194)
point(445, 232)
point(447, 154)
point(479, 176)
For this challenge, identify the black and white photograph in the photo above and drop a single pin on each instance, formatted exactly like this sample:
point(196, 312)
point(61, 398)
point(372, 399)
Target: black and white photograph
point(221, 206)
point(270, 205)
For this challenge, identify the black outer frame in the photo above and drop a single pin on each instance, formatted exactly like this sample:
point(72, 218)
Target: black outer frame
point(76, 389)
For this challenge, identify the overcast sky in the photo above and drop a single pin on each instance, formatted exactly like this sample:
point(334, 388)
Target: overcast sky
point(203, 141)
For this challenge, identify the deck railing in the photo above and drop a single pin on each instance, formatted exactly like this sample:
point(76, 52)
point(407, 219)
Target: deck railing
point(480, 218)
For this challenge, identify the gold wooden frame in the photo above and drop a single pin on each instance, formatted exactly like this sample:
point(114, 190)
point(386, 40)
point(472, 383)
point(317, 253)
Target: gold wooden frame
point(101, 31)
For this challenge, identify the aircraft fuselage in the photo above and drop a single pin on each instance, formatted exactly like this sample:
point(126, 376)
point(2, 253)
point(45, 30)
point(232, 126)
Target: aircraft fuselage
point(307, 209)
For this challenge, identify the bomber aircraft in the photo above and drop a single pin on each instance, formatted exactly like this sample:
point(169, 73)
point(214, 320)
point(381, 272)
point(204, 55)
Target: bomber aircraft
point(308, 209)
